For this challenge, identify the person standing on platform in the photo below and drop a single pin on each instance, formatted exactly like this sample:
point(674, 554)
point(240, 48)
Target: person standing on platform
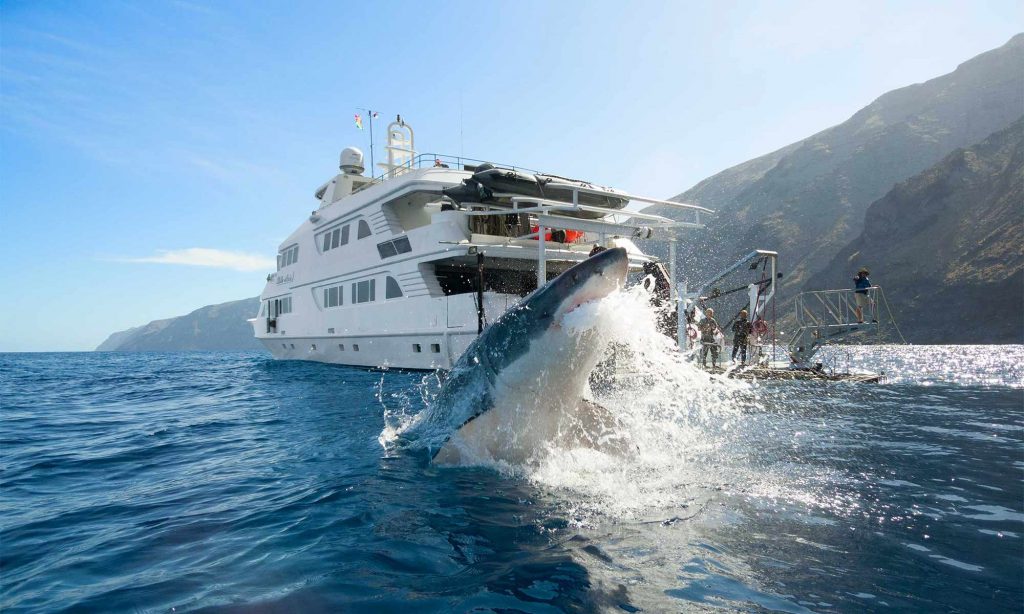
point(708, 328)
point(860, 294)
point(741, 330)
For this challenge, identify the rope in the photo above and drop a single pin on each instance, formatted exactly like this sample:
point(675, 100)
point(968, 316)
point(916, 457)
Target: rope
point(891, 318)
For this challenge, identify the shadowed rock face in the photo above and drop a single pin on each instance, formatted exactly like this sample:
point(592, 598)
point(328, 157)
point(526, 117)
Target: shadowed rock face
point(949, 245)
point(808, 200)
point(215, 327)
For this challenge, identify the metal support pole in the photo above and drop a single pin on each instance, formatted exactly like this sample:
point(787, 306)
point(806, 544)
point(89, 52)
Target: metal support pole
point(775, 287)
point(673, 295)
point(681, 318)
point(672, 268)
point(542, 265)
point(372, 168)
point(479, 292)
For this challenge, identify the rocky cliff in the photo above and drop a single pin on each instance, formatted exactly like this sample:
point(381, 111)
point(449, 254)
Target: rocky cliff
point(948, 245)
point(808, 200)
point(215, 327)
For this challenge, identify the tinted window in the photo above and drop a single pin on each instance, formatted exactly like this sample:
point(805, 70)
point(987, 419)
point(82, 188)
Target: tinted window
point(402, 245)
point(364, 230)
point(391, 288)
point(386, 249)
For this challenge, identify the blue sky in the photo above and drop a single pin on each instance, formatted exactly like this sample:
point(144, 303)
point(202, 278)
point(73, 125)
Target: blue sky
point(132, 132)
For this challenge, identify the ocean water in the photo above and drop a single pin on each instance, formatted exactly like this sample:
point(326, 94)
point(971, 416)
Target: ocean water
point(228, 482)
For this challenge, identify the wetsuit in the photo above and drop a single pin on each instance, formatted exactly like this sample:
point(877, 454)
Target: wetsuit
point(741, 329)
point(708, 327)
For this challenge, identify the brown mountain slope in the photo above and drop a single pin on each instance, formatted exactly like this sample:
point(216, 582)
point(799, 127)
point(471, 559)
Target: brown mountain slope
point(809, 199)
point(948, 246)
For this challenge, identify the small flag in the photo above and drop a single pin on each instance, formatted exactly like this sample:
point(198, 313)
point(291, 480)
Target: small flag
point(359, 122)
point(374, 115)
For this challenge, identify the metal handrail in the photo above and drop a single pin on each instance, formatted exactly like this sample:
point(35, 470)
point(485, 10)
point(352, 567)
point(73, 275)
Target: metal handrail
point(427, 160)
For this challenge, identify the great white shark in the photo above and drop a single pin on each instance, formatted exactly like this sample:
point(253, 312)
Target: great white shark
point(519, 386)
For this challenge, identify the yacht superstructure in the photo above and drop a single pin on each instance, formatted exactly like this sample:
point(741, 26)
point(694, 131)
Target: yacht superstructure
point(405, 269)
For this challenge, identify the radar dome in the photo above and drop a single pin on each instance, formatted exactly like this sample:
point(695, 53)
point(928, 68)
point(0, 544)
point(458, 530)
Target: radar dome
point(351, 161)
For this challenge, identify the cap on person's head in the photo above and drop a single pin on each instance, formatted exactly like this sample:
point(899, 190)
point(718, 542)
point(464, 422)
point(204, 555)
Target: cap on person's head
point(710, 312)
point(864, 270)
point(743, 312)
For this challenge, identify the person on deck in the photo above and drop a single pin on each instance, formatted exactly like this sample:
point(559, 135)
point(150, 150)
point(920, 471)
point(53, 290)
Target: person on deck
point(708, 328)
point(741, 329)
point(860, 294)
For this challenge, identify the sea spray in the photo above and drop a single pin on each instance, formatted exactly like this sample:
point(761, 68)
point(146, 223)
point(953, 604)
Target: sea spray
point(680, 419)
point(676, 420)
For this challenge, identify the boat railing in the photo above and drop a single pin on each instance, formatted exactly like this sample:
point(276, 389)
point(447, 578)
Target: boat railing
point(823, 317)
point(835, 308)
point(437, 160)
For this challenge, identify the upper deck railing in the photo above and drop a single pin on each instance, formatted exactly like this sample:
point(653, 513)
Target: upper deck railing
point(436, 160)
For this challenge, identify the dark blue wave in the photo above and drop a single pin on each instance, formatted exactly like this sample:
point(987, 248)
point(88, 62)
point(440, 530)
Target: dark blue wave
point(228, 482)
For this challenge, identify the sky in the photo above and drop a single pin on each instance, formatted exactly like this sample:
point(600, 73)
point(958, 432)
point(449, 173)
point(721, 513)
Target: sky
point(154, 154)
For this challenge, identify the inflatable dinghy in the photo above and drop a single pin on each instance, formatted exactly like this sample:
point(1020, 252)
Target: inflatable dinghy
point(497, 186)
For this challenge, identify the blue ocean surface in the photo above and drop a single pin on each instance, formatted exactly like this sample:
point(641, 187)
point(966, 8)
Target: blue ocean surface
point(228, 482)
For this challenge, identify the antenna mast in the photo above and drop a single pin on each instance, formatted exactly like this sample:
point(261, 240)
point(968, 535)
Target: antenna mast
point(369, 115)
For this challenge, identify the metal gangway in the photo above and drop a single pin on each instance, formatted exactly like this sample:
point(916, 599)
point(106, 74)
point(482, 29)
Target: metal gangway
point(825, 316)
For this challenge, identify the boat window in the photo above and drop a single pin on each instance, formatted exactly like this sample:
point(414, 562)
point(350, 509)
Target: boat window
point(364, 291)
point(278, 306)
point(435, 348)
point(387, 249)
point(333, 296)
point(364, 230)
point(334, 238)
point(416, 348)
point(392, 289)
point(287, 256)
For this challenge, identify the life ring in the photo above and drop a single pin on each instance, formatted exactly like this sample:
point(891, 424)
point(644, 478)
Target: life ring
point(760, 326)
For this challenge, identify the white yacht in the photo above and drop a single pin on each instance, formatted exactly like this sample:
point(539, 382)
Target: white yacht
point(405, 269)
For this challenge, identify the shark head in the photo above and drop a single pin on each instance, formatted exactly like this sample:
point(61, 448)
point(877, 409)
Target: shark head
point(511, 336)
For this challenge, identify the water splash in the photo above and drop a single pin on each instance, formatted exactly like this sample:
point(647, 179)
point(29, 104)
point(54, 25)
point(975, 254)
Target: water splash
point(680, 424)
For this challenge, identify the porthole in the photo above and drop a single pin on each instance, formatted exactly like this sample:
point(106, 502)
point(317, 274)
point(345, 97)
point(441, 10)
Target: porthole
point(293, 345)
point(435, 348)
point(341, 346)
point(312, 347)
point(355, 347)
point(416, 348)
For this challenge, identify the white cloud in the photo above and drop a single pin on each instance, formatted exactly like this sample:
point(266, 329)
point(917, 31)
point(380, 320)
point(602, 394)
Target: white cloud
point(215, 258)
